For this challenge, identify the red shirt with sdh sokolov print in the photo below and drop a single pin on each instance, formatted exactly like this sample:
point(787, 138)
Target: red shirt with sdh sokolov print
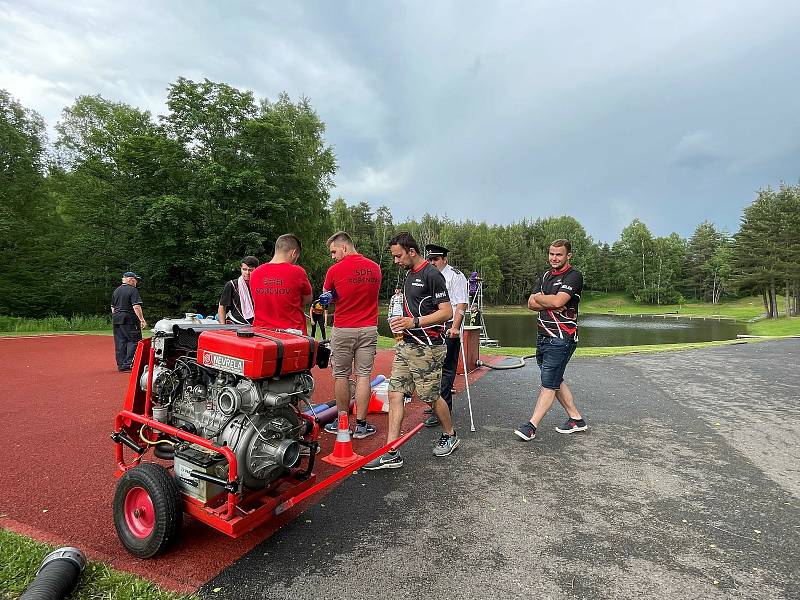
point(277, 290)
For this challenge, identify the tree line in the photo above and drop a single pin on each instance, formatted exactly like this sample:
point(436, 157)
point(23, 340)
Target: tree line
point(181, 197)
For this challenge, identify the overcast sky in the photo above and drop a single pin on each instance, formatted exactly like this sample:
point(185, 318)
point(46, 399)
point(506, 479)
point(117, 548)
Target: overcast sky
point(672, 112)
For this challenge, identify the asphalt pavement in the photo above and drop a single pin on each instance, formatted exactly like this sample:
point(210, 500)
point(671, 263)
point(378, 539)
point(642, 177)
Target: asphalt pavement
point(686, 485)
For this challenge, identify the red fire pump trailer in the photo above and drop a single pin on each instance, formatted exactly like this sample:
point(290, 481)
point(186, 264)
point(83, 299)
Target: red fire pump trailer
point(220, 407)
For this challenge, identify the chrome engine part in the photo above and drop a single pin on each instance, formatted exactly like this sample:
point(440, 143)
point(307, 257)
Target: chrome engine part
point(257, 419)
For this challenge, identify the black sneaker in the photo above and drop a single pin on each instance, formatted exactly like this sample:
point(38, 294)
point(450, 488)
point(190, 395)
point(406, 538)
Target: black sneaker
point(385, 461)
point(573, 425)
point(432, 421)
point(526, 431)
point(363, 431)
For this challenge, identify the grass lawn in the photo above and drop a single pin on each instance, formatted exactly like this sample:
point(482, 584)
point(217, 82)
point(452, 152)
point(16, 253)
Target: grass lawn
point(616, 303)
point(618, 350)
point(20, 558)
point(782, 326)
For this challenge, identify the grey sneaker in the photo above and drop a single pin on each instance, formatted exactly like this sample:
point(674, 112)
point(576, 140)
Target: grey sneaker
point(446, 445)
point(385, 461)
point(363, 431)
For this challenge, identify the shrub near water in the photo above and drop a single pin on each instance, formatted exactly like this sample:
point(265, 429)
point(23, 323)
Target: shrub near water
point(49, 324)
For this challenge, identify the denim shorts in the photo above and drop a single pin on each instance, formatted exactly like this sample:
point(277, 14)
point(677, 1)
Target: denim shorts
point(552, 356)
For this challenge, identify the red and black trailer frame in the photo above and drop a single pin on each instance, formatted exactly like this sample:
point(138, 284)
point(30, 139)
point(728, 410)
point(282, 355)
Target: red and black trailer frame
point(238, 510)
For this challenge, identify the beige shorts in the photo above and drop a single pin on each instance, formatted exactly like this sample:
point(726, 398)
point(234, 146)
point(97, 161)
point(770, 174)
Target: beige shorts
point(418, 367)
point(351, 345)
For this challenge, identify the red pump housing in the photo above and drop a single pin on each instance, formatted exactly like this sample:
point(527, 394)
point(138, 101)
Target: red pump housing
point(256, 353)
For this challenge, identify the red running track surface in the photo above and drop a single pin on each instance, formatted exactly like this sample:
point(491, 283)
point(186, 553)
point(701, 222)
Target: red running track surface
point(60, 396)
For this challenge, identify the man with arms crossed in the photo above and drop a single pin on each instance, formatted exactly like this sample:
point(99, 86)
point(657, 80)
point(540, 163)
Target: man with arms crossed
point(356, 281)
point(556, 297)
point(418, 358)
point(235, 303)
point(280, 288)
point(457, 289)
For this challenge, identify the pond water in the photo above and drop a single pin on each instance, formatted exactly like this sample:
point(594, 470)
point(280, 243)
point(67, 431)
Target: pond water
point(610, 330)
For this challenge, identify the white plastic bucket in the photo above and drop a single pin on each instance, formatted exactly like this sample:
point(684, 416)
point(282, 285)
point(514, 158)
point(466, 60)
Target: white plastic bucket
point(382, 393)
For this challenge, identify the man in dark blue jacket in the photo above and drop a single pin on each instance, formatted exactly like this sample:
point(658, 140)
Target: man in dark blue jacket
point(127, 319)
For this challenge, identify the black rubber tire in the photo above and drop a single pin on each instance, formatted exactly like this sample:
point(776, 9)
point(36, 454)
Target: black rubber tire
point(160, 486)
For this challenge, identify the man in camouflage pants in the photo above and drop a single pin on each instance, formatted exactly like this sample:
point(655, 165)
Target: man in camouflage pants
point(419, 357)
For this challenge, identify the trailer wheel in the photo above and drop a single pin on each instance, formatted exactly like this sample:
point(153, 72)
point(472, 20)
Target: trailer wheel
point(147, 510)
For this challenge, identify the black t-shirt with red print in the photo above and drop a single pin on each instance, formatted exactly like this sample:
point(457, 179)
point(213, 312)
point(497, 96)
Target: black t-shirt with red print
point(563, 322)
point(423, 291)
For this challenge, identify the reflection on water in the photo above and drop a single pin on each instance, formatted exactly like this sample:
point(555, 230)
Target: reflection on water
point(611, 330)
point(611, 322)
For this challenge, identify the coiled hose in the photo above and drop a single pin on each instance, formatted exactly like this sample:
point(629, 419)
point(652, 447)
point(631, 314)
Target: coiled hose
point(58, 575)
point(521, 363)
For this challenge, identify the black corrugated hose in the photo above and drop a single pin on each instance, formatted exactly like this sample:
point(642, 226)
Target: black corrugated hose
point(58, 575)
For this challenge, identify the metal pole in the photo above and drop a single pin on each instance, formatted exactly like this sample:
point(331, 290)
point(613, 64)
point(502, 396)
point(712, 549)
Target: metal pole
point(466, 375)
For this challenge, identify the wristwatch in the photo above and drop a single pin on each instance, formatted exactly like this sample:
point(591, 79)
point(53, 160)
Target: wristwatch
point(416, 321)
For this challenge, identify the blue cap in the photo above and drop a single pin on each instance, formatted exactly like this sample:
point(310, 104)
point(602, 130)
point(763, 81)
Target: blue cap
point(131, 274)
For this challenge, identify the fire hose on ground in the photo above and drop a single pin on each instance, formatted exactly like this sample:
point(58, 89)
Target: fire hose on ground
point(518, 365)
point(58, 575)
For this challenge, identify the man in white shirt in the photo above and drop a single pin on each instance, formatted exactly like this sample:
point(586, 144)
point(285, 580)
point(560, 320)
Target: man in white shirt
point(457, 289)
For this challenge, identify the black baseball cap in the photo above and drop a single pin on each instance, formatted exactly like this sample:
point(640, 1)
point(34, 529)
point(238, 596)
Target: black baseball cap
point(131, 274)
point(435, 250)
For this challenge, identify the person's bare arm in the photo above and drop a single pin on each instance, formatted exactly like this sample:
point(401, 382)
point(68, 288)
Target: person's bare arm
point(458, 317)
point(221, 314)
point(444, 314)
point(533, 304)
point(138, 310)
point(546, 301)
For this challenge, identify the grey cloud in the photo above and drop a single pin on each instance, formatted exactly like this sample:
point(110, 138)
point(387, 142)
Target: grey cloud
point(497, 112)
point(696, 150)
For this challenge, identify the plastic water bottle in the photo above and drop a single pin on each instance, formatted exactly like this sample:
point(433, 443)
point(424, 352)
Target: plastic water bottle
point(396, 310)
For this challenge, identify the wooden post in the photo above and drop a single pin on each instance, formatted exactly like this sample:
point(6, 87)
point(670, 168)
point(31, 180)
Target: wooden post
point(472, 334)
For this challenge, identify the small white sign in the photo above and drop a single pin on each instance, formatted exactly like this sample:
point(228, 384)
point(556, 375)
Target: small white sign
point(223, 362)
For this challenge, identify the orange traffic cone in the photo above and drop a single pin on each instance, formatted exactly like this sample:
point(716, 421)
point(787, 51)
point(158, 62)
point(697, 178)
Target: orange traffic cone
point(375, 405)
point(342, 454)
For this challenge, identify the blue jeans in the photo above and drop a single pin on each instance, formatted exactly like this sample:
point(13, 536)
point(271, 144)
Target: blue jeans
point(552, 356)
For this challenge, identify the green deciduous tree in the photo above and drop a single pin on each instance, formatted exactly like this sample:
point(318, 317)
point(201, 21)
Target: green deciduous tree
point(30, 227)
point(218, 177)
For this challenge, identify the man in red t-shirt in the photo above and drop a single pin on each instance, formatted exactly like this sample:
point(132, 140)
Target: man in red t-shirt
point(355, 282)
point(280, 288)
